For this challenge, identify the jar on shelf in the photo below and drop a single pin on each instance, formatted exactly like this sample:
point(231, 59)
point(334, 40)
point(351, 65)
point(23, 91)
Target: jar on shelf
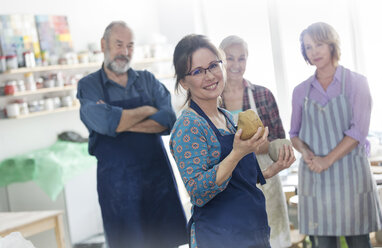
point(83, 57)
point(33, 106)
point(3, 64)
point(49, 83)
point(20, 86)
point(67, 101)
point(11, 62)
point(45, 58)
point(57, 102)
point(40, 83)
point(12, 109)
point(30, 83)
point(29, 59)
point(23, 108)
point(97, 57)
point(41, 104)
point(10, 88)
point(59, 79)
point(49, 104)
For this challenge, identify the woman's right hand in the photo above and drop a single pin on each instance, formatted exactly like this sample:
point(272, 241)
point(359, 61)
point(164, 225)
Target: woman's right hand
point(244, 147)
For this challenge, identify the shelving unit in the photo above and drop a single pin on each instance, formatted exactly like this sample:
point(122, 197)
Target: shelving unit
point(51, 68)
point(23, 70)
point(41, 91)
point(45, 112)
point(88, 67)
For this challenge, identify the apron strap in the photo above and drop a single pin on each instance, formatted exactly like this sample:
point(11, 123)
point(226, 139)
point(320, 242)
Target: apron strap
point(343, 80)
point(198, 110)
point(252, 103)
point(139, 88)
point(105, 93)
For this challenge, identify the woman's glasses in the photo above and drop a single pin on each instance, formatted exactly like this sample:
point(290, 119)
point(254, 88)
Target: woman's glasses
point(214, 68)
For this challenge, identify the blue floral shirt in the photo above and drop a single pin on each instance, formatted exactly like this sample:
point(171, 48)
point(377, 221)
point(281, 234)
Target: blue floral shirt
point(197, 151)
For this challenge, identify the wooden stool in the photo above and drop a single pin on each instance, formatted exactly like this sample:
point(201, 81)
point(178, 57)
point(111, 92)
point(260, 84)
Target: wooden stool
point(293, 201)
point(30, 223)
point(297, 238)
point(289, 191)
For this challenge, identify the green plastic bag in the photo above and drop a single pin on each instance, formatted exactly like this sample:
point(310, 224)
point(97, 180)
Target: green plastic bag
point(50, 168)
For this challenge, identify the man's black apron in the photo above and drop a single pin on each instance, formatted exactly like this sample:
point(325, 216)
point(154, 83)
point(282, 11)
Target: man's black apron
point(236, 217)
point(136, 188)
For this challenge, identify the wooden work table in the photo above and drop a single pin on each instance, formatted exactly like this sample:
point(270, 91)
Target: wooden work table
point(30, 223)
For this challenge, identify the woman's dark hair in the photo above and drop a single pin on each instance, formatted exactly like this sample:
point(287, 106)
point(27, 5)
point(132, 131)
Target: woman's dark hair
point(184, 50)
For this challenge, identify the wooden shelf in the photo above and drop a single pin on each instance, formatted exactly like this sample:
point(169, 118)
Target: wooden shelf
point(44, 112)
point(50, 68)
point(77, 66)
point(41, 91)
point(94, 66)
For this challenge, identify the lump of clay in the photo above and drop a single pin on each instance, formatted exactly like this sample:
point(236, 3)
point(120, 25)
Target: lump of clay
point(249, 122)
point(274, 147)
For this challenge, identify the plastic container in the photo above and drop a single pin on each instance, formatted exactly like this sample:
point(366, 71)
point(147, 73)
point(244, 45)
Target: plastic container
point(13, 110)
point(29, 59)
point(49, 104)
point(23, 108)
point(67, 101)
point(11, 62)
point(30, 83)
point(10, 88)
point(33, 106)
point(21, 86)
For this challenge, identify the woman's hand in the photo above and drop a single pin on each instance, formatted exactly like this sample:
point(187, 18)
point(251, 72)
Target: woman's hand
point(319, 164)
point(263, 148)
point(308, 156)
point(240, 149)
point(285, 160)
point(244, 147)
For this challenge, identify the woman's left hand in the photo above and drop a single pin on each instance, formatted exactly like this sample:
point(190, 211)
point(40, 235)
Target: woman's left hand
point(319, 164)
point(285, 160)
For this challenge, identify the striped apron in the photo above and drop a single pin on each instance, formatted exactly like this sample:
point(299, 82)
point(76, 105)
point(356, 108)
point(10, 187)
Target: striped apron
point(274, 197)
point(342, 200)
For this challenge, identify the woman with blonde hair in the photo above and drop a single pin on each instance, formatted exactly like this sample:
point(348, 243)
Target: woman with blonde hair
point(329, 125)
point(240, 94)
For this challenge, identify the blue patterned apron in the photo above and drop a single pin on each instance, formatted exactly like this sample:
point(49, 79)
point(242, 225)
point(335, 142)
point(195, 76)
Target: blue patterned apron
point(342, 200)
point(136, 188)
point(236, 217)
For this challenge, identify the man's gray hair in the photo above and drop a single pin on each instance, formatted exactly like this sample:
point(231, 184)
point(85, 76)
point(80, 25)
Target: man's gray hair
point(109, 28)
point(233, 40)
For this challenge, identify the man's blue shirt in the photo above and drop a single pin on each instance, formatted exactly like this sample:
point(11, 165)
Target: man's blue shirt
point(104, 118)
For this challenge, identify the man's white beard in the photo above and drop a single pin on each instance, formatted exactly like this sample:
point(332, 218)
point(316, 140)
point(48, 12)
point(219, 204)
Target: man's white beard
point(116, 66)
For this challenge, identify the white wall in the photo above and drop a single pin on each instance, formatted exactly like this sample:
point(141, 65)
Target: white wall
point(88, 18)
point(87, 21)
point(173, 19)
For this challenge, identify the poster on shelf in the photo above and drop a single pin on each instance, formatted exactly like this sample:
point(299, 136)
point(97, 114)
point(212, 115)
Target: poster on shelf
point(18, 34)
point(54, 35)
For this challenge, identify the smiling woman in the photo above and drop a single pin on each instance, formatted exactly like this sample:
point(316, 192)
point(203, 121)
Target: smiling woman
point(205, 84)
point(219, 170)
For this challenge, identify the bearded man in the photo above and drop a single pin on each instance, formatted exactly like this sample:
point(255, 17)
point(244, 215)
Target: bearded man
point(126, 112)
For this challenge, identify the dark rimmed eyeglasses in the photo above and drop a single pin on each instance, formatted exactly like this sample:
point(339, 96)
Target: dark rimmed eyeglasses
point(214, 67)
